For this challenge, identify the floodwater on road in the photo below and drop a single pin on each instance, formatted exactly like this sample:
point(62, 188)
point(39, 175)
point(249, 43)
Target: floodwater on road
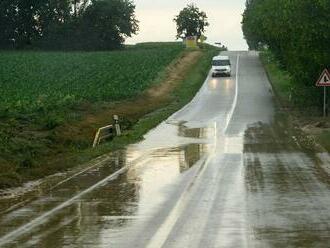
point(224, 171)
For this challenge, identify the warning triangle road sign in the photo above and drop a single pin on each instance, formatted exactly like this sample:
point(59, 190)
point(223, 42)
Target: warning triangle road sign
point(324, 79)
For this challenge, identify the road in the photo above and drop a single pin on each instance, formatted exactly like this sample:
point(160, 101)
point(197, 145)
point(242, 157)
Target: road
point(224, 171)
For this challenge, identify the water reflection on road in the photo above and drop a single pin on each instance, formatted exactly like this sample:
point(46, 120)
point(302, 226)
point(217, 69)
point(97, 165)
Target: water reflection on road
point(112, 207)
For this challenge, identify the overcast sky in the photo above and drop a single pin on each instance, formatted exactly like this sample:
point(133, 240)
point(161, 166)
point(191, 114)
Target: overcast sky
point(156, 20)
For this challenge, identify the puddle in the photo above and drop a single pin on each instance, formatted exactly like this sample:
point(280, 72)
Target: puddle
point(287, 191)
point(197, 133)
point(130, 197)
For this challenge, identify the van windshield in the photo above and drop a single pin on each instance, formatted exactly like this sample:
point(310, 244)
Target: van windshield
point(221, 62)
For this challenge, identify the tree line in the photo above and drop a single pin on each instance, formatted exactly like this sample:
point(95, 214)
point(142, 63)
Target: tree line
point(297, 32)
point(66, 24)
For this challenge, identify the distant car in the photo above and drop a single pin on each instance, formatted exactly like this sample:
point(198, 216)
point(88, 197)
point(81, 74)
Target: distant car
point(221, 66)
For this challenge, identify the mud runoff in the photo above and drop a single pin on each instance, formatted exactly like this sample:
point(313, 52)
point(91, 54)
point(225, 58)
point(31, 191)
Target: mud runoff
point(287, 190)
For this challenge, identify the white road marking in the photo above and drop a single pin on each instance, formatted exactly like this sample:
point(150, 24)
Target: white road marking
point(159, 239)
point(231, 112)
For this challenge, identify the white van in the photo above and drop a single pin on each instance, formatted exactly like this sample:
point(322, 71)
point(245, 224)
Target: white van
point(221, 66)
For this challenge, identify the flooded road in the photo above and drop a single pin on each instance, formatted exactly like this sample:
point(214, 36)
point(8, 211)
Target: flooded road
point(225, 171)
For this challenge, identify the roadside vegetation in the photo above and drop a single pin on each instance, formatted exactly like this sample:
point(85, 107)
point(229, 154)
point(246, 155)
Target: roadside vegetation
point(53, 102)
point(307, 118)
point(297, 35)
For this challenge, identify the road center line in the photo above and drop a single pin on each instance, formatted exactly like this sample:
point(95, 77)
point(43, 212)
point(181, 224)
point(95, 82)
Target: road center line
point(160, 237)
point(234, 104)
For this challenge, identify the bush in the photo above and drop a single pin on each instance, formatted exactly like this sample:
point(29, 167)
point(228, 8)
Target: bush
point(9, 179)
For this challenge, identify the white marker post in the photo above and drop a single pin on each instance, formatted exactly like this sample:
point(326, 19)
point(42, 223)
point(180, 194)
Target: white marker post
point(117, 126)
point(324, 81)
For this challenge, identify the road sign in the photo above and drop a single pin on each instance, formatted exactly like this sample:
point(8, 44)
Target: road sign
point(191, 42)
point(324, 79)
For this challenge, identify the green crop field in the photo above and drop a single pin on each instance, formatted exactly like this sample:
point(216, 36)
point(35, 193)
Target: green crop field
point(31, 81)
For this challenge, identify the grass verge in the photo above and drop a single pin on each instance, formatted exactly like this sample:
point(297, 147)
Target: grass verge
point(279, 78)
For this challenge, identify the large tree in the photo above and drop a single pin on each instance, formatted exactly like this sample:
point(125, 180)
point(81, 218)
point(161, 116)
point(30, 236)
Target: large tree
point(22, 22)
point(191, 22)
point(109, 22)
point(66, 24)
point(7, 23)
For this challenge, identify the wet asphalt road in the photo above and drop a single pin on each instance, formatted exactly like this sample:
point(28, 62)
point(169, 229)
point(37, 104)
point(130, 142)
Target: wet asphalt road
point(225, 171)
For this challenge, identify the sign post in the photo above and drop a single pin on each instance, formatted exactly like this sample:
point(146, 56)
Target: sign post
point(324, 101)
point(324, 81)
